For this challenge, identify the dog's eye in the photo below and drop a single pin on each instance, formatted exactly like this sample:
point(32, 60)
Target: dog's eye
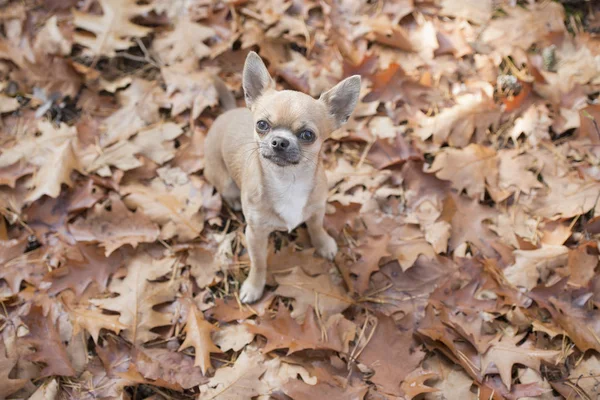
point(307, 136)
point(262, 126)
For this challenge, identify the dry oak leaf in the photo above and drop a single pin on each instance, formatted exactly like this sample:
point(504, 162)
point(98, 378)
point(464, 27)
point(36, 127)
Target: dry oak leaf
point(176, 369)
point(82, 266)
point(189, 88)
point(47, 391)
point(8, 104)
point(371, 252)
point(49, 349)
point(515, 174)
point(174, 203)
point(583, 379)
point(474, 113)
point(93, 320)
point(29, 267)
point(534, 123)
point(472, 169)
point(198, 335)
point(582, 264)
point(184, 42)
point(453, 383)
point(469, 225)
point(382, 353)
point(11, 174)
point(232, 337)
point(138, 294)
point(567, 196)
point(154, 143)
point(111, 31)
point(52, 152)
point(504, 354)
point(7, 363)
point(283, 332)
point(139, 103)
point(238, 382)
point(322, 291)
point(571, 310)
point(112, 225)
point(252, 375)
point(51, 41)
point(476, 11)
point(288, 257)
point(393, 84)
point(414, 384)
point(532, 265)
point(522, 27)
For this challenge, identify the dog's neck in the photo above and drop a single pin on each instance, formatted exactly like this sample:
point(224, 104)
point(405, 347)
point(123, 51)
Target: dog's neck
point(288, 189)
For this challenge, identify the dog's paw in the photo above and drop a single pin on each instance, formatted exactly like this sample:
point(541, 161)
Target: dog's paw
point(251, 292)
point(327, 248)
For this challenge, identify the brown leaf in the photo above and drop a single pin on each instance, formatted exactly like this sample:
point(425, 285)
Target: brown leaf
point(84, 265)
point(283, 332)
point(112, 225)
point(322, 291)
point(370, 253)
point(44, 337)
point(138, 294)
point(173, 200)
point(111, 31)
point(171, 367)
point(569, 309)
point(388, 343)
point(198, 335)
point(8, 385)
point(472, 169)
point(504, 353)
point(414, 384)
point(393, 84)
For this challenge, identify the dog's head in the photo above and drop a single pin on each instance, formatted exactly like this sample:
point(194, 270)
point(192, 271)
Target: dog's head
point(291, 126)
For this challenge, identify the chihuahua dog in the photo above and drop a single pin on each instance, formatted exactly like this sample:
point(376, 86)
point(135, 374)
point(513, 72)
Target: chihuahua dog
point(266, 160)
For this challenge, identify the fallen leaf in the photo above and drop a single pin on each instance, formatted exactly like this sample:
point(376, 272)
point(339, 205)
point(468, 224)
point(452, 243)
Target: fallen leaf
point(504, 353)
point(532, 265)
point(111, 31)
point(283, 332)
point(472, 169)
point(175, 204)
point(322, 291)
point(112, 225)
point(44, 337)
point(138, 293)
point(198, 335)
point(389, 343)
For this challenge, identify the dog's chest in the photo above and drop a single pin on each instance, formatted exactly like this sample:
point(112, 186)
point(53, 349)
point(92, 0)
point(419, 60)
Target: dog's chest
point(289, 197)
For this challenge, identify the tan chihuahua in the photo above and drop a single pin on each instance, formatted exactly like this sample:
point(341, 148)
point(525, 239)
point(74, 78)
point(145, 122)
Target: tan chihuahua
point(266, 161)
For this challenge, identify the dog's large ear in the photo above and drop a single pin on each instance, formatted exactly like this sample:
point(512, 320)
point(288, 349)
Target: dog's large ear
point(342, 98)
point(256, 79)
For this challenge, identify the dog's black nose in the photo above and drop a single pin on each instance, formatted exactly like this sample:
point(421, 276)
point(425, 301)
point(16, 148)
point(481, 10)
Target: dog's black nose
point(279, 144)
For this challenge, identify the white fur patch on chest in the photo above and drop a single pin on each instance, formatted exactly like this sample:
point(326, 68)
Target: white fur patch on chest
point(289, 192)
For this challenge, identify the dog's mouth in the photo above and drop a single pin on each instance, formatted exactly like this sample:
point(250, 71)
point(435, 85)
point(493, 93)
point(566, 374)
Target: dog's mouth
point(279, 160)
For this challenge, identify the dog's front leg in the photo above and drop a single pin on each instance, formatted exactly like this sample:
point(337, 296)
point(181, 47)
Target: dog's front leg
point(257, 241)
point(324, 244)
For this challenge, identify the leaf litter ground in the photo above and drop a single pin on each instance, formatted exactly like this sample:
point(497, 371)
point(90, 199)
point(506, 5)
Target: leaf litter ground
point(464, 197)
